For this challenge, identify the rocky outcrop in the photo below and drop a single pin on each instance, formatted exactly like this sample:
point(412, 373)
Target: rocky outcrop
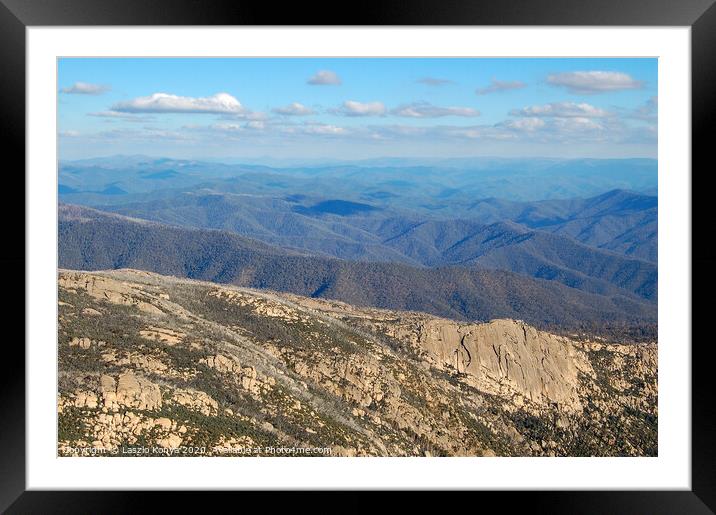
point(247, 377)
point(108, 289)
point(130, 391)
point(508, 354)
point(196, 400)
point(162, 335)
point(84, 343)
point(222, 363)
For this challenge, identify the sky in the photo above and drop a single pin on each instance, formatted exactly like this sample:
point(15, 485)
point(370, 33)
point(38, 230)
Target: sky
point(357, 108)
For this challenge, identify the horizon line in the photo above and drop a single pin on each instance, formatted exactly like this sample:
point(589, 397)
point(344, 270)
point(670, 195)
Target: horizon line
point(357, 160)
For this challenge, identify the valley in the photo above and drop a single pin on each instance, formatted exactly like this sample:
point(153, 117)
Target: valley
point(94, 240)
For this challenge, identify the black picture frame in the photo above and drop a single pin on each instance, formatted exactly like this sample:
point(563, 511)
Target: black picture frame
point(17, 15)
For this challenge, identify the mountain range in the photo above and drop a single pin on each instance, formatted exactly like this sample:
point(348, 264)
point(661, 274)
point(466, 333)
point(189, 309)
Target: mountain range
point(447, 187)
point(94, 240)
point(353, 231)
point(558, 242)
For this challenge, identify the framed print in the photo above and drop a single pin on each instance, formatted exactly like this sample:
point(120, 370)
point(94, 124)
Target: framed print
point(421, 252)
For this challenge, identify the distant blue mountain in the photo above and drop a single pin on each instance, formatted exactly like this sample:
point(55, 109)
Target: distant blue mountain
point(446, 186)
point(113, 190)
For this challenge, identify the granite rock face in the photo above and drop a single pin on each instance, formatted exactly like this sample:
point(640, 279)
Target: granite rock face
point(540, 366)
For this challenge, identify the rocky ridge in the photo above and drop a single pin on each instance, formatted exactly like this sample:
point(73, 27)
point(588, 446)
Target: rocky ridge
point(166, 364)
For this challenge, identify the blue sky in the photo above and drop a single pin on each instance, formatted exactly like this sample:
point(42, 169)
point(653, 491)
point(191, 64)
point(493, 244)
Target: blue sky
point(356, 108)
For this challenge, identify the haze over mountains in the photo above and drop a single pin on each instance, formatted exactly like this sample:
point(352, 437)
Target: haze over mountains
point(568, 242)
point(448, 187)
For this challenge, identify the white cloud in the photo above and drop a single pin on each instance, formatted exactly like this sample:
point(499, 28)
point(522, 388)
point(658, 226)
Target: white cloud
point(116, 115)
point(434, 81)
point(524, 124)
point(480, 132)
point(294, 109)
point(235, 131)
point(323, 129)
point(426, 110)
point(524, 129)
point(498, 86)
point(224, 127)
point(440, 132)
point(589, 82)
point(561, 110)
point(69, 134)
point(353, 108)
point(577, 124)
point(143, 134)
point(311, 129)
point(246, 115)
point(85, 88)
point(398, 131)
point(257, 125)
point(562, 121)
point(229, 128)
point(220, 103)
point(325, 78)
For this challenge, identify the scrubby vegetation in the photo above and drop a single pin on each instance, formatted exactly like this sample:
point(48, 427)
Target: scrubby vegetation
point(162, 363)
